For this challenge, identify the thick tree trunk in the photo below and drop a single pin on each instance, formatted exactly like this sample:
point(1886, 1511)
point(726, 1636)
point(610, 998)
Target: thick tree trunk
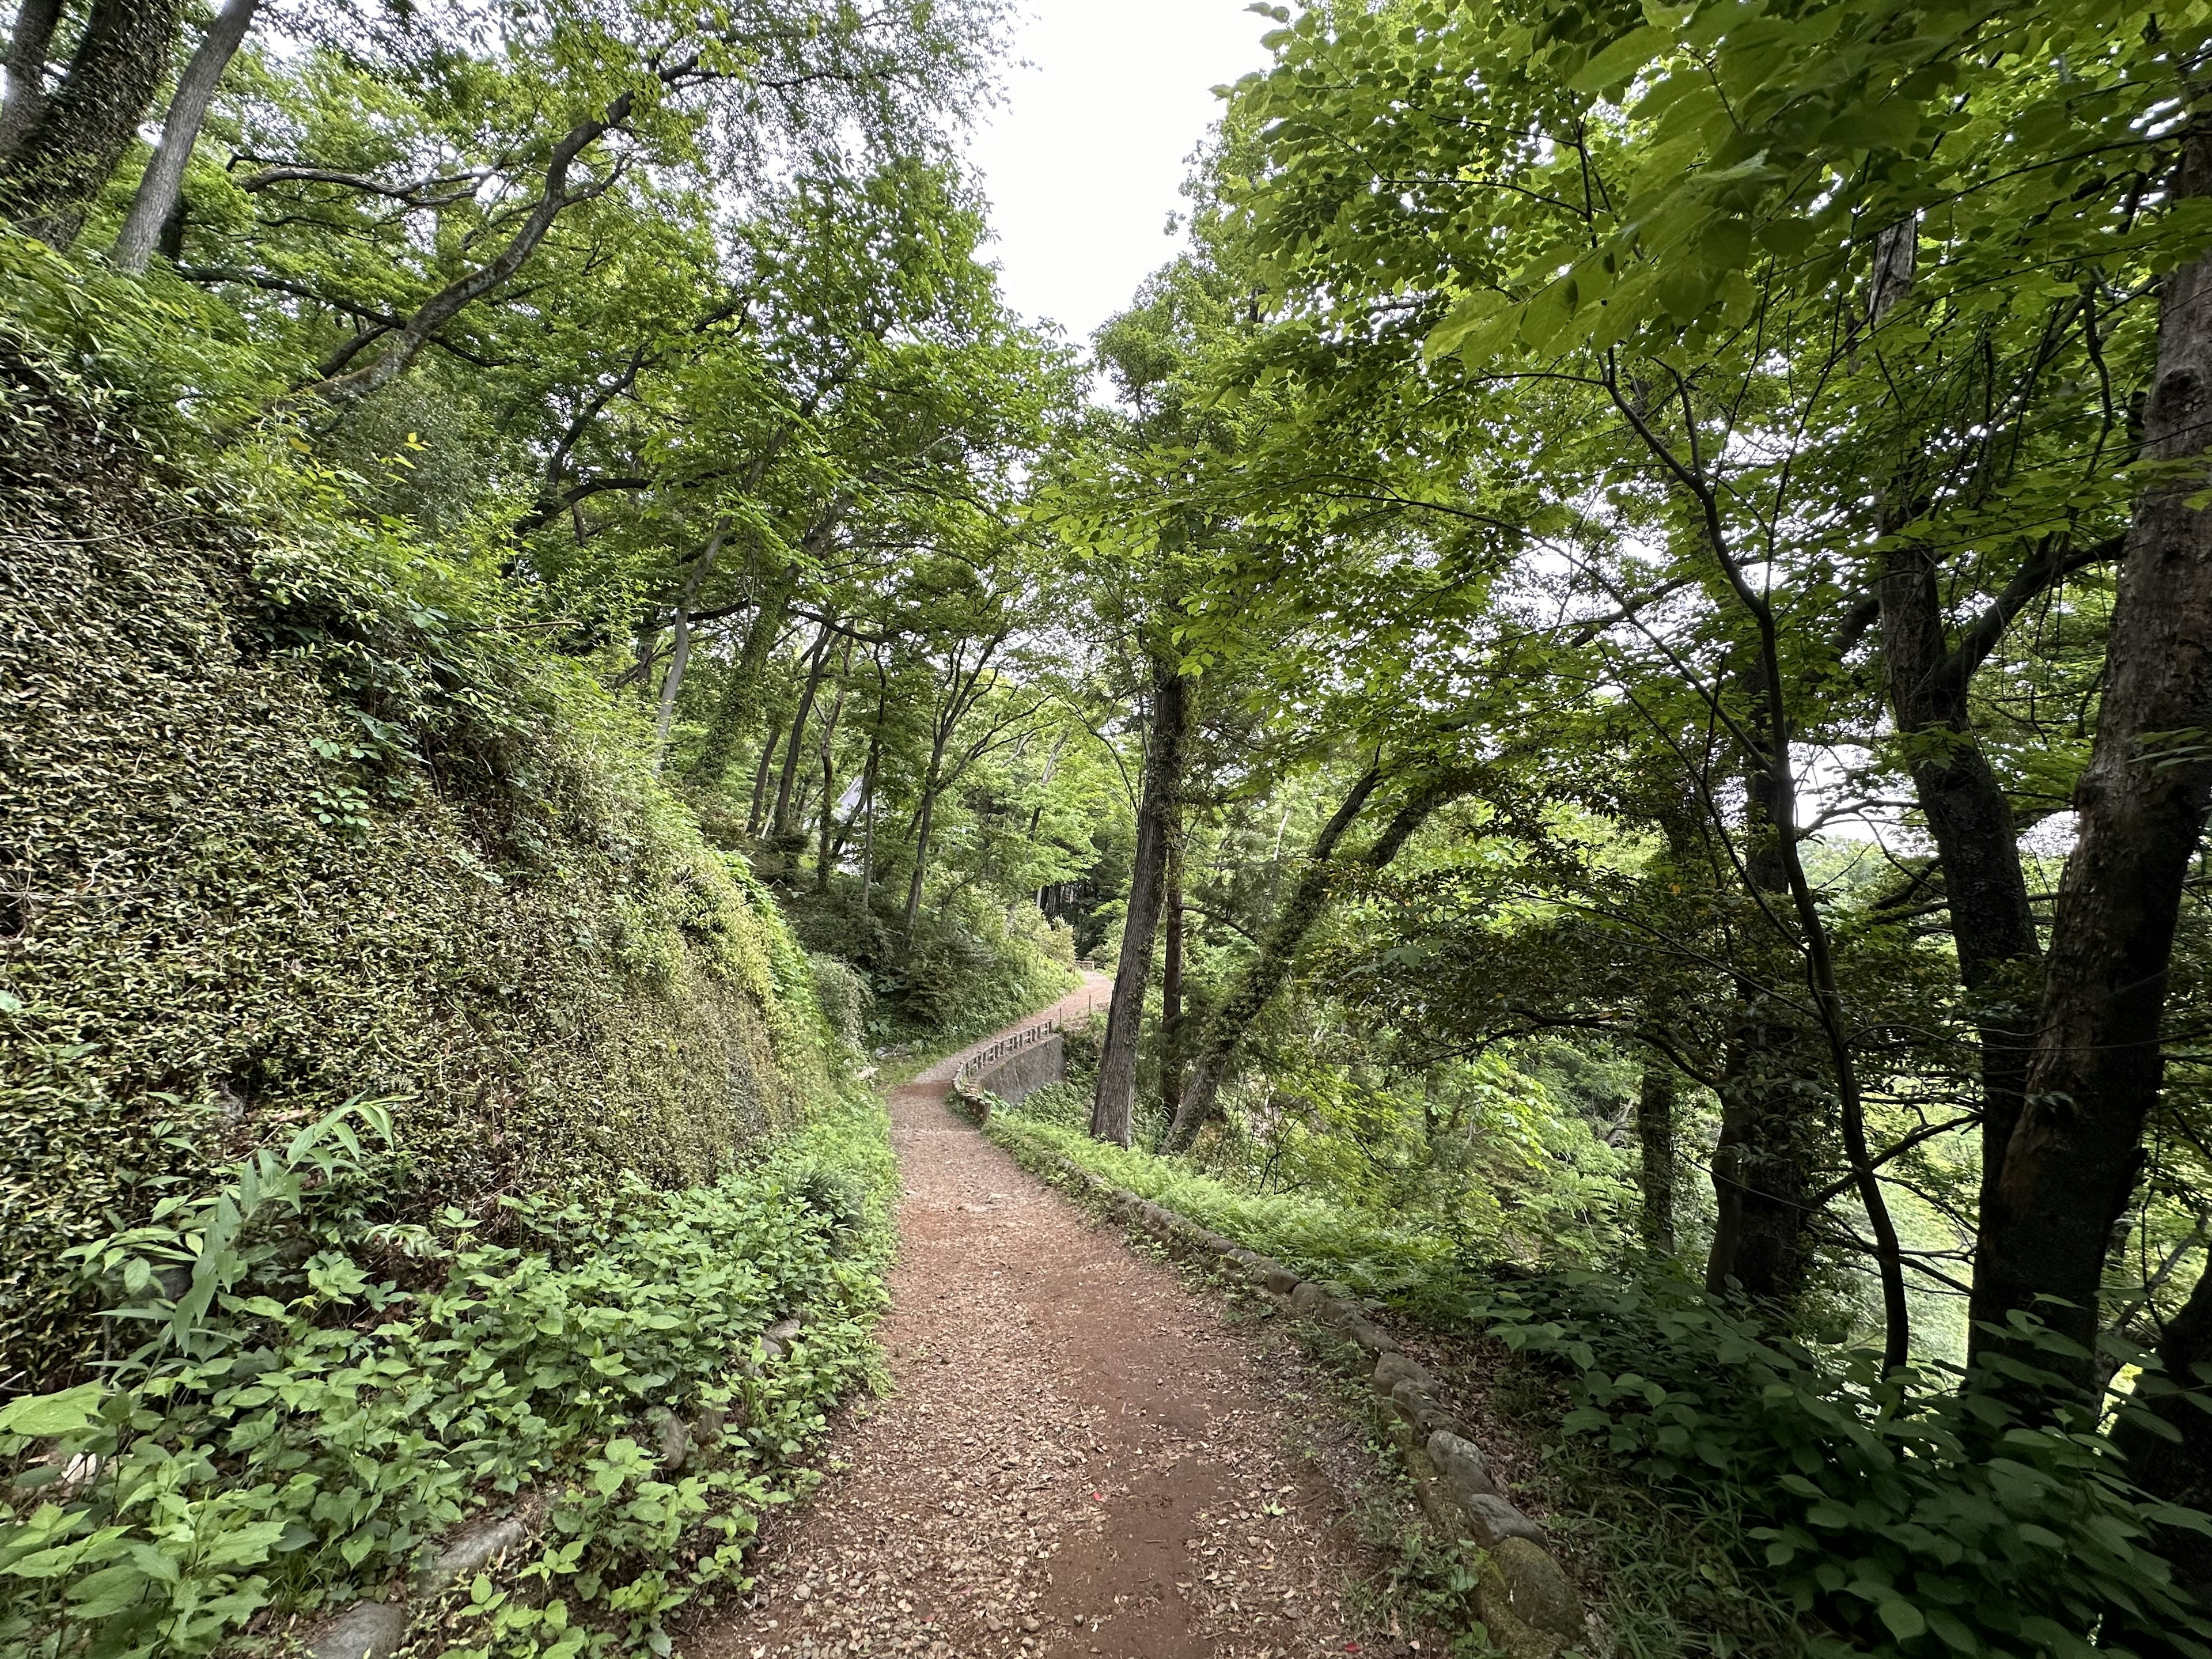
point(1992, 926)
point(57, 168)
point(1654, 1138)
point(2096, 1070)
point(1231, 1023)
point(1772, 1099)
point(27, 49)
point(164, 179)
point(1115, 1104)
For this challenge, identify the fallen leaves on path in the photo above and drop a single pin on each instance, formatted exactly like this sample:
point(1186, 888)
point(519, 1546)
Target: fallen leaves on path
point(1080, 1456)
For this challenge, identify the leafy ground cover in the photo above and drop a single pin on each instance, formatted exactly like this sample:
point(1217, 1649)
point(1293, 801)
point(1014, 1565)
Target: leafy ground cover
point(1855, 1515)
point(321, 1393)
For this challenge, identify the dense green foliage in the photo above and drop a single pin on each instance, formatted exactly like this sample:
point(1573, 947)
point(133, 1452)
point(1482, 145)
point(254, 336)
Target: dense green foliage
point(326, 1391)
point(1621, 667)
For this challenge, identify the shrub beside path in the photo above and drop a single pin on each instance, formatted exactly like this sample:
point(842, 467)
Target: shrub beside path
point(1079, 1454)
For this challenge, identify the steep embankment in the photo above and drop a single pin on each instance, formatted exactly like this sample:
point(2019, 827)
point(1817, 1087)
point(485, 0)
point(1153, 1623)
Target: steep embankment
point(290, 813)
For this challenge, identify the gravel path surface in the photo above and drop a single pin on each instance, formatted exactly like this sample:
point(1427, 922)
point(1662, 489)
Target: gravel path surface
point(1080, 1455)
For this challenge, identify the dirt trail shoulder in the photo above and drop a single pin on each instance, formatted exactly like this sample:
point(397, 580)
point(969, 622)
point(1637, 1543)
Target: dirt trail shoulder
point(1080, 1455)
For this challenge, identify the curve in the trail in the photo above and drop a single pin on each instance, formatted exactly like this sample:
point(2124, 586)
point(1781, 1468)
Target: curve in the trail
point(1080, 1455)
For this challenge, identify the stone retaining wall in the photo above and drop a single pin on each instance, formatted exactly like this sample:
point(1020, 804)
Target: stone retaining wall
point(1526, 1601)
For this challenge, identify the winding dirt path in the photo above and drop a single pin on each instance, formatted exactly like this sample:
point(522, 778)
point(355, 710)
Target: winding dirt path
point(1080, 1455)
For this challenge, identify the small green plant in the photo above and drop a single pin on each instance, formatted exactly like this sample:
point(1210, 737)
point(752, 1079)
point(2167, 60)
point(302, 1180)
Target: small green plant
point(319, 1393)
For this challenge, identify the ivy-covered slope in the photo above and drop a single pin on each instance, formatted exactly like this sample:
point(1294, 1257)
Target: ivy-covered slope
point(290, 813)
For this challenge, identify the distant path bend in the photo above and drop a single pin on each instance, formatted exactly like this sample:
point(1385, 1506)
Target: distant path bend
point(1080, 1456)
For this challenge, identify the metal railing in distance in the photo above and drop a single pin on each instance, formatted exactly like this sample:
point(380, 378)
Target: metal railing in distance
point(992, 1053)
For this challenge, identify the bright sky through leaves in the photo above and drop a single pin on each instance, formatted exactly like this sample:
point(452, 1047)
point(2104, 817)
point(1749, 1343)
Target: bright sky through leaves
point(1084, 158)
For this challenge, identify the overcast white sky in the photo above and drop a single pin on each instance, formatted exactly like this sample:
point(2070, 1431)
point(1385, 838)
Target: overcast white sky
point(1083, 160)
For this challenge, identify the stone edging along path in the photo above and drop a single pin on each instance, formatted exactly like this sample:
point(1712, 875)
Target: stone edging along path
point(1529, 1605)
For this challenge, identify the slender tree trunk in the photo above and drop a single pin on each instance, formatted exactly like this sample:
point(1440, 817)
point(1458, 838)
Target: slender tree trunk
point(2096, 1070)
point(817, 662)
point(768, 745)
point(1231, 1023)
point(925, 822)
point(64, 157)
point(27, 49)
point(1171, 984)
point(159, 187)
point(825, 855)
point(680, 656)
point(1655, 1103)
point(741, 700)
point(1112, 1110)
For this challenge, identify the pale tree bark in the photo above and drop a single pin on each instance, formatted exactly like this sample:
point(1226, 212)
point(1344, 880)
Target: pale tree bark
point(818, 664)
point(2096, 1069)
point(1114, 1107)
point(825, 855)
point(680, 653)
point(66, 154)
point(27, 48)
point(163, 180)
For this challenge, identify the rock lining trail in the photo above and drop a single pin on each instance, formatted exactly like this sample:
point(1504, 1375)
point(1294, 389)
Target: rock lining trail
point(1079, 1454)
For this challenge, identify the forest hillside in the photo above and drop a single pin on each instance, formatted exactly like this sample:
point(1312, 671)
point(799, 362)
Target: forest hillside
point(1613, 653)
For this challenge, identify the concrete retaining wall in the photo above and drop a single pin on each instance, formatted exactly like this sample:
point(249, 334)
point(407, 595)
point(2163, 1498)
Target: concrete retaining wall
point(1014, 1078)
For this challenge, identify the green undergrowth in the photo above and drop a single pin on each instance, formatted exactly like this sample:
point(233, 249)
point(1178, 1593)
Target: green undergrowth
point(295, 805)
point(1744, 1492)
point(317, 1395)
point(1319, 1239)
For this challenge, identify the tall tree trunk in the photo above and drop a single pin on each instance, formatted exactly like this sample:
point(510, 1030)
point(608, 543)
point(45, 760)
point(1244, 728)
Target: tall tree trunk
point(740, 701)
point(1231, 1023)
point(1171, 1015)
point(1655, 1101)
point(27, 47)
point(1112, 1110)
point(817, 662)
point(58, 166)
point(925, 823)
point(2096, 1070)
point(768, 745)
point(1984, 886)
point(1773, 1103)
point(825, 855)
point(159, 187)
point(680, 655)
